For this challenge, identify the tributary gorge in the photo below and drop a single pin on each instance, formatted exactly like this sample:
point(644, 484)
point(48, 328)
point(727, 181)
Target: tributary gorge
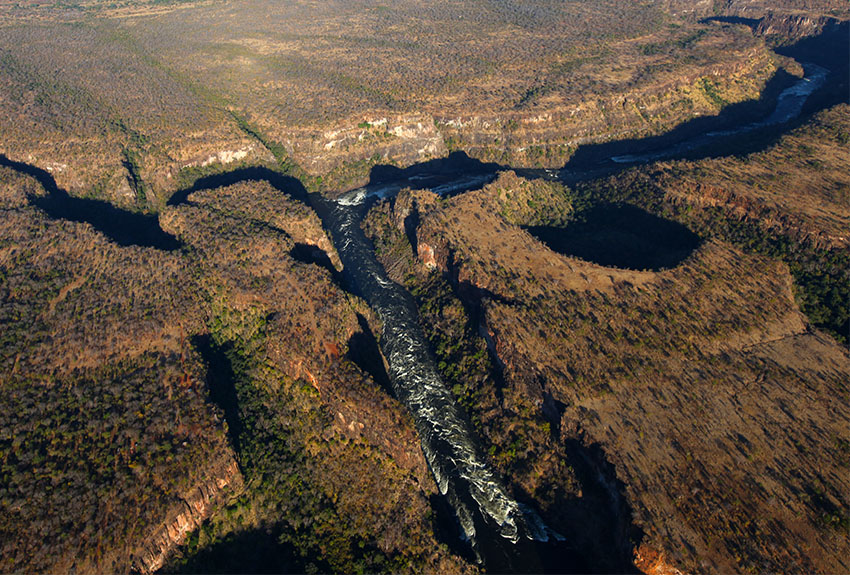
point(494, 523)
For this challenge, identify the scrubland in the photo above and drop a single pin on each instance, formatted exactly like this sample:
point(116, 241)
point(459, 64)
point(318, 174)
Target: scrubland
point(710, 394)
point(147, 391)
point(218, 401)
point(108, 94)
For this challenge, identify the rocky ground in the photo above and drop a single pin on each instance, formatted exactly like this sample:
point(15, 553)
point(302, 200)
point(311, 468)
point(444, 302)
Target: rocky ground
point(700, 394)
point(652, 360)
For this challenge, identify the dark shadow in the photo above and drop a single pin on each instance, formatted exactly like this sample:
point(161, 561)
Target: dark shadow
point(599, 523)
point(364, 352)
point(221, 382)
point(454, 174)
point(622, 236)
point(529, 556)
point(446, 528)
point(310, 254)
point(134, 180)
point(254, 551)
point(596, 528)
point(594, 160)
point(554, 556)
point(553, 410)
point(831, 50)
point(411, 224)
point(750, 22)
point(469, 293)
point(828, 50)
point(122, 227)
point(432, 172)
point(287, 184)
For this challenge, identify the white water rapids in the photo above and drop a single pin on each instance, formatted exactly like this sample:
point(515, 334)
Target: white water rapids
point(447, 441)
point(789, 105)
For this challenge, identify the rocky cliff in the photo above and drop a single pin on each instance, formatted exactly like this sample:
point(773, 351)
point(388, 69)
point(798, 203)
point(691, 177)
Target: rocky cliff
point(223, 480)
point(676, 395)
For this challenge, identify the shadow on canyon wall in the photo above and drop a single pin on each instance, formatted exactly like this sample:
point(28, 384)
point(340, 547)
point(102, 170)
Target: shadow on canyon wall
point(123, 227)
point(830, 50)
point(622, 236)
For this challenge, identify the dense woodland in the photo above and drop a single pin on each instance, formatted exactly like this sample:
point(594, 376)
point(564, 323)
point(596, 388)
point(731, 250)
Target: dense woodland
point(189, 385)
point(106, 421)
point(715, 343)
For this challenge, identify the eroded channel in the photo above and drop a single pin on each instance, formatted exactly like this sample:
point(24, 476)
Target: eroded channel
point(489, 517)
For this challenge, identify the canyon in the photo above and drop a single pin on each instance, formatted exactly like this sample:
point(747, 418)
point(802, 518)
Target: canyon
point(387, 324)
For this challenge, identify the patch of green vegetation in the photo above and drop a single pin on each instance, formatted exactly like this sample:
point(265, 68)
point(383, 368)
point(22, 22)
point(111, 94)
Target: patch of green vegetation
point(462, 357)
point(285, 163)
point(691, 39)
point(710, 90)
point(345, 176)
point(821, 276)
point(283, 499)
point(532, 95)
point(189, 175)
point(132, 162)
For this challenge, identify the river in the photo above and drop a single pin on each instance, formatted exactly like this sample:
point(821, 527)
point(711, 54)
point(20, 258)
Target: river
point(474, 491)
point(448, 443)
point(481, 502)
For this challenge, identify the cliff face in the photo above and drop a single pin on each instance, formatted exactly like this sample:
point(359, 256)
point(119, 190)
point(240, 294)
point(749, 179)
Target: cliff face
point(793, 27)
point(788, 16)
point(798, 187)
point(691, 9)
point(686, 382)
point(396, 140)
point(223, 480)
point(548, 135)
point(546, 130)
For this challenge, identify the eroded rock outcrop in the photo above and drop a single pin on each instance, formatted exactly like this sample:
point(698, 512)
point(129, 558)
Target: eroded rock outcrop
point(692, 394)
point(224, 480)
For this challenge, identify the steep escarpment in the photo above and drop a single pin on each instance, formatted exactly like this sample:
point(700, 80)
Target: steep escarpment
point(106, 428)
point(315, 435)
point(578, 101)
point(649, 99)
point(787, 28)
point(788, 201)
point(788, 19)
point(197, 505)
point(717, 407)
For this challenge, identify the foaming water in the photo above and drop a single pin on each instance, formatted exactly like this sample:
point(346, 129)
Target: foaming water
point(473, 490)
point(459, 469)
point(457, 183)
point(788, 106)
